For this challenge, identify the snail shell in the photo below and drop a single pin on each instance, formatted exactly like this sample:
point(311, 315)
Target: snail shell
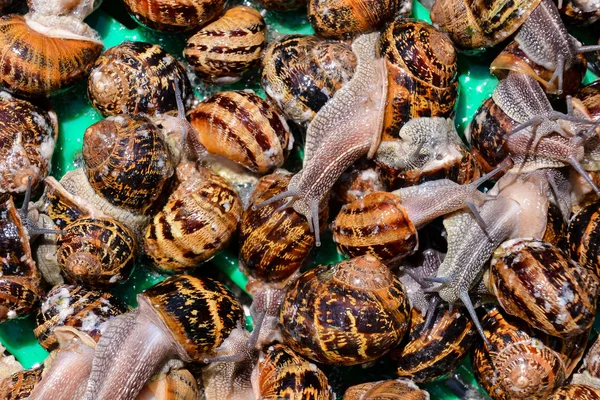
point(399, 389)
point(27, 138)
point(174, 15)
point(52, 62)
point(177, 384)
point(282, 5)
point(20, 384)
point(358, 181)
point(137, 78)
point(198, 221)
point(580, 12)
point(68, 305)
point(301, 73)
point(244, 128)
point(62, 207)
point(349, 313)
point(556, 229)
point(583, 229)
point(127, 162)
point(223, 50)
point(589, 96)
point(576, 392)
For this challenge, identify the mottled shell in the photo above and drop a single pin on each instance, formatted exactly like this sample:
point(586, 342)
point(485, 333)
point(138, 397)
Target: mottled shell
point(346, 18)
point(399, 389)
point(592, 359)
point(538, 283)
point(476, 23)
point(177, 384)
point(361, 179)
point(282, 5)
point(576, 392)
point(19, 385)
point(556, 228)
point(174, 15)
point(96, 251)
point(274, 245)
point(244, 128)
point(422, 73)
point(199, 312)
point(27, 138)
point(137, 78)
point(281, 374)
point(76, 306)
point(570, 350)
point(301, 73)
point(223, 50)
point(127, 162)
point(589, 96)
point(428, 355)
point(583, 232)
point(35, 64)
point(377, 224)
point(349, 313)
point(61, 206)
point(198, 221)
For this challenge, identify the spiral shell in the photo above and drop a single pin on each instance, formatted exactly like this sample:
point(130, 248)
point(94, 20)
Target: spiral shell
point(301, 73)
point(576, 392)
point(399, 389)
point(244, 128)
point(174, 15)
point(20, 384)
point(583, 229)
point(127, 162)
point(223, 50)
point(137, 78)
point(177, 384)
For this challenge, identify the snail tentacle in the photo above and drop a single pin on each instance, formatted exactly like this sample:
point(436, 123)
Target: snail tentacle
point(466, 300)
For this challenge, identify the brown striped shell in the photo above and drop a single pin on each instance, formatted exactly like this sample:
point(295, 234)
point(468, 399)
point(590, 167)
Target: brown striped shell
point(399, 389)
point(282, 5)
point(274, 244)
point(177, 384)
point(300, 73)
point(583, 230)
point(361, 179)
point(137, 78)
point(244, 128)
point(28, 134)
point(556, 228)
point(346, 18)
point(96, 251)
point(592, 359)
point(562, 302)
point(576, 392)
point(35, 64)
point(127, 162)
point(571, 350)
point(174, 15)
point(348, 313)
point(75, 306)
point(198, 221)
point(222, 51)
point(430, 354)
point(20, 384)
point(61, 206)
point(281, 374)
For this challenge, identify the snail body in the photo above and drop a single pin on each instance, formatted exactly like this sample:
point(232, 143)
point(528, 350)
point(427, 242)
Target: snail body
point(76, 8)
point(174, 16)
point(399, 389)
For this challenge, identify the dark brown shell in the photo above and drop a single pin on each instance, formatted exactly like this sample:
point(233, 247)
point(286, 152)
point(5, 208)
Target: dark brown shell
point(137, 78)
point(570, 350)
point(361, 179)
point(198, 221)
point(301, 73)
point(281, 374)
point(244, 128)
point(35, 64)
point(174, 15)
point(127, 162)
point(556, 228)
point(399, 389)
point(61, 206)
point(538, 283)
point(589, 96)
point(199, 312)
point(223, 50)
point(96, 251)
point(282, 5)
point(27, 137)
point(274, 245)
point(576, 392)
point(377, 224)
point(68, 305)
point(580, 12)
point(428, 355)
point(348, 313)
point(583, 232)
point(19, 385)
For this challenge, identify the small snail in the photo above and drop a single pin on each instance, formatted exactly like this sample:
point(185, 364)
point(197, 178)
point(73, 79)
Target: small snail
point(575, 392)
point(137, 78)
point(174, 15)
point(222, 51)
point(581, 241)
point(399, 389)
point(329, 312)
point(20, 384)
point(300, 73)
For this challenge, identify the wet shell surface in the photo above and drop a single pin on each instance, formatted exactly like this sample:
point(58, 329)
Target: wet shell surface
point(174, 15)
point(399, 389)
point(177, 384)
point(20, 384)
point(576, 392)
point(581, 238)
point(358, 181)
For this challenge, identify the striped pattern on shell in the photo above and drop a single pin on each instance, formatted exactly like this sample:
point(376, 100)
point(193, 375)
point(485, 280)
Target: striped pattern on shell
point(244, 128)
point(349, 313)
point(576, 392)
point(177, 384)
point(34, 64)
point(199, 312)
point(137, 78)
point(198, 221)
point(223, 50)
point(174, 15)
point(19, 385)
point(61, 206)
point(583, 230)
point(398, 389)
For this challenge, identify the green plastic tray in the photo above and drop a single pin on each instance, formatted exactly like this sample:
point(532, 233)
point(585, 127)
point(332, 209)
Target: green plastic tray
point(75, 114)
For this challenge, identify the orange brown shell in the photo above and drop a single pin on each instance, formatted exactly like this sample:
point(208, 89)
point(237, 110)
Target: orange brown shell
point(61, 206)
point(174, 15)
point(20, 384)
point(398, 389)
point(348, 313)
point(223, 50)
point(177, 384)
point(244, 128)
point(556, 229)
point(581, 238)
point(576, 392)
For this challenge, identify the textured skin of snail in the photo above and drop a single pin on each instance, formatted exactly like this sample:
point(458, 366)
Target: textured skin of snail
point(174, 15)
point(19, 385)
point(399, 389)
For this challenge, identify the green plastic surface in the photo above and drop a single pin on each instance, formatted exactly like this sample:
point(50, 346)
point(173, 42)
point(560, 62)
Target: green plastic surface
point(76, 114)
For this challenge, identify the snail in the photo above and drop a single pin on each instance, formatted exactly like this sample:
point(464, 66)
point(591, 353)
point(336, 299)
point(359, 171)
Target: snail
point(556, 228)
point(244, 128)
point(340, 19)
point(137, 78)
point(282, 5)
point(176, 384)
point(174, 15)
point(198, 221)
point(589, 373)
point(415, 271)
point(28, 135)
point(579, 12)
point(300, 73)
point(182, 317)
point(581, 238)
point(398, 389)
point(360, 179)
point(349, 313)
point(575, 392)
point(76, 8)
point(20, 384)
point(220, 52)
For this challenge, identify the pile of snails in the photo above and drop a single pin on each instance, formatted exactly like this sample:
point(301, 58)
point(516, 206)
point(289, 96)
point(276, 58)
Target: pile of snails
point(433, 269)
